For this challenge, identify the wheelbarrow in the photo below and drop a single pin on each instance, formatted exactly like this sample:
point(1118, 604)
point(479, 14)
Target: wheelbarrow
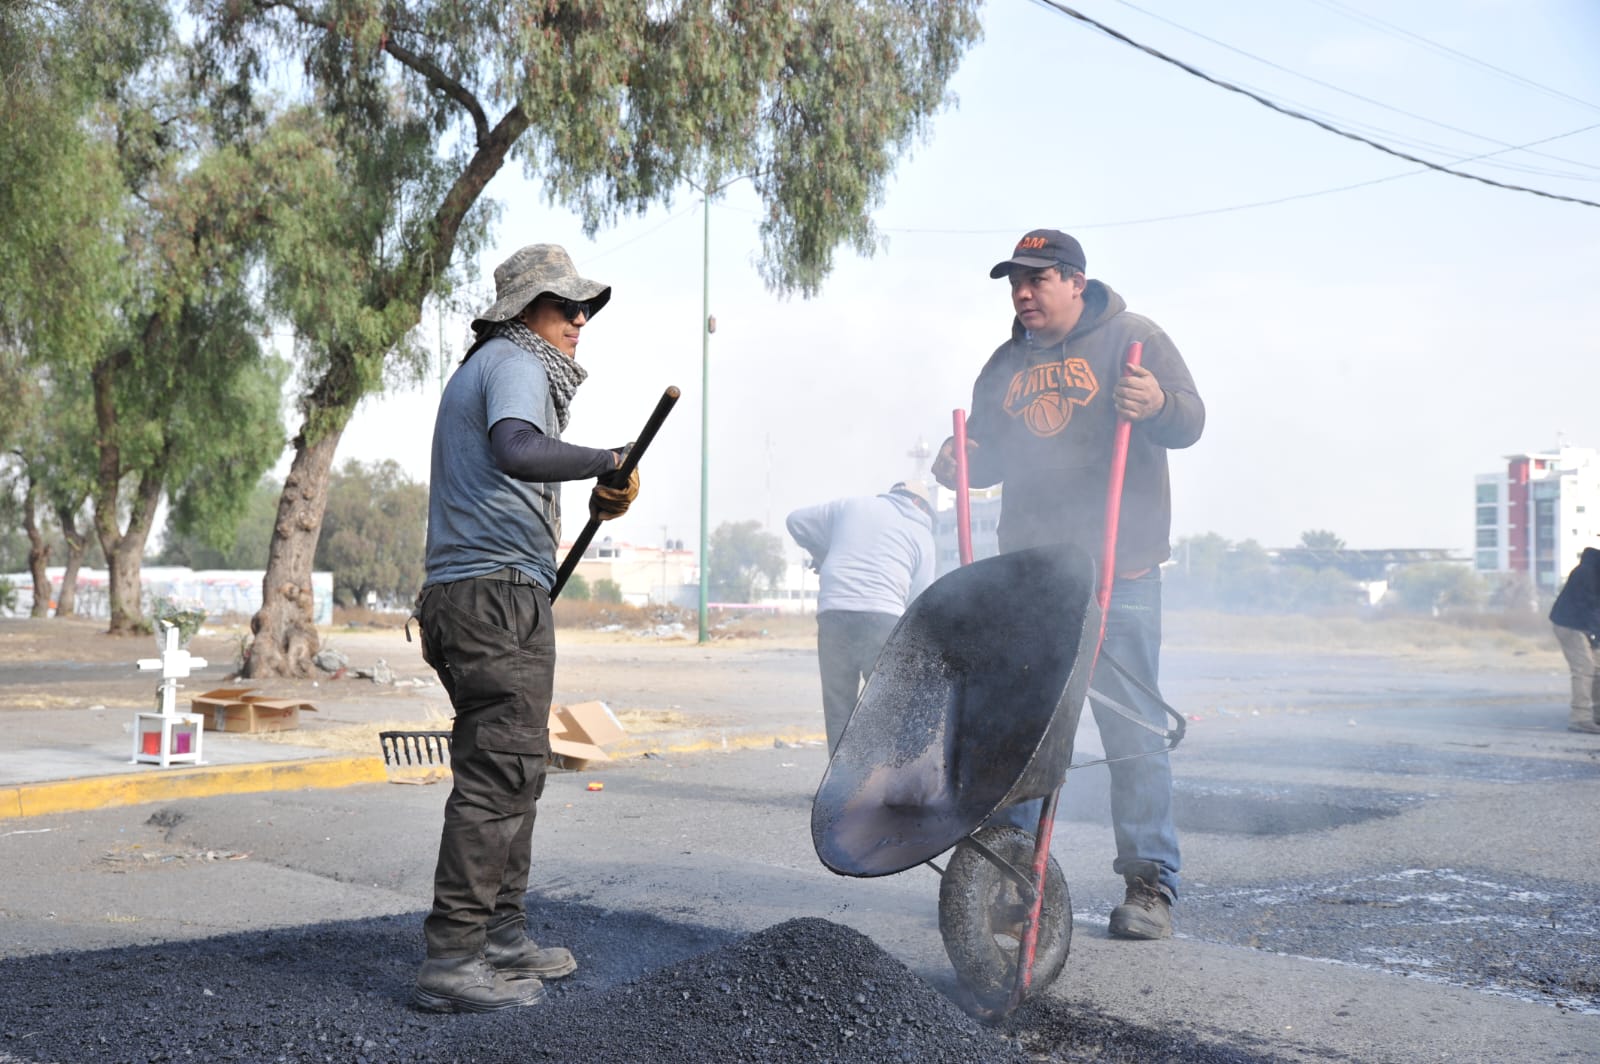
point(972, 707)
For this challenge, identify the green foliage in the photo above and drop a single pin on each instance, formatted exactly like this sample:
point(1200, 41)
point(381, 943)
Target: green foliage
point(14, 544)
point(1511, 593)
point(187, 618)
point(1321, 539)
point(576, 589)
point(8, 595)
point(61, 195)
point(612, 104)
point(243, 546)
point(128, 241)
point(1210, 572)
point(1435, 587)
point(373, 533)
point(743, 558)
point(608, 591)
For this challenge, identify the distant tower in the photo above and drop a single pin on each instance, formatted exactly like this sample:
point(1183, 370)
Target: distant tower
point(919, 454)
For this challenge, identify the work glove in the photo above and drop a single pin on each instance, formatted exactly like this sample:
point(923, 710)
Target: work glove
point(613, 493)
point(944, 465)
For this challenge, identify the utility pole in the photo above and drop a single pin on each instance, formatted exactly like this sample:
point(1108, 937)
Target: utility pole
point(708, 325)
point(705, 406)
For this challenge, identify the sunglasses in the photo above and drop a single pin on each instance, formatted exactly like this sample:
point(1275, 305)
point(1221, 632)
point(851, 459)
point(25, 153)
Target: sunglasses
point(571, 308)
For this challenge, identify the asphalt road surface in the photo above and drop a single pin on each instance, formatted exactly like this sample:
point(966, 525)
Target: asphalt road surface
point(1384, 861)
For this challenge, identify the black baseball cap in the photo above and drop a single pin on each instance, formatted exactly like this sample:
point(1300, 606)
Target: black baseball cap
point(1040, 248)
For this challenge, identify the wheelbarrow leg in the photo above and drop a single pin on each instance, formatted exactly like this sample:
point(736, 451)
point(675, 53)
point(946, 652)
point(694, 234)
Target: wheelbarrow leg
point(1030, 931)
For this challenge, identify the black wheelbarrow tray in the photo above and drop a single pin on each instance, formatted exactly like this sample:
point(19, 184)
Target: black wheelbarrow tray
point(972, 707)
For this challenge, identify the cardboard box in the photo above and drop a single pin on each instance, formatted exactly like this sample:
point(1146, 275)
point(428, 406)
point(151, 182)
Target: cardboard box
point(591, 722)
point(579, 734)
point(239, 709)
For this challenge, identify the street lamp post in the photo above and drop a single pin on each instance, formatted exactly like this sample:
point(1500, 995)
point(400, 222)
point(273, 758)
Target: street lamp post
point(705, 405)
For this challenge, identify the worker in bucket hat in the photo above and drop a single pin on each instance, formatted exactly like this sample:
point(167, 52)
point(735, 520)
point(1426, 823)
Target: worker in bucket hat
point(494, 523)
point(1044, 413)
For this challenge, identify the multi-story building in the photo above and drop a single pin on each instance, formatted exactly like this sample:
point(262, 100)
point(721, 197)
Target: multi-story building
point(984, 520)
point(645, 575)
point(1538, 514)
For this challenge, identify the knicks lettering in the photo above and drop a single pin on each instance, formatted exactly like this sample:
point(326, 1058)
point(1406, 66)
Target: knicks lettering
point(1044, 396)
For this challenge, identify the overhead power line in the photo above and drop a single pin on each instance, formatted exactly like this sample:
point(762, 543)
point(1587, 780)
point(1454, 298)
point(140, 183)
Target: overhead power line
point(1392, 30)
point(1346, 92)
point(1319, 123)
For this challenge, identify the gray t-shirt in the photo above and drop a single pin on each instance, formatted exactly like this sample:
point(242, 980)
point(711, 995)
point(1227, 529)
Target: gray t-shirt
point(479, 519)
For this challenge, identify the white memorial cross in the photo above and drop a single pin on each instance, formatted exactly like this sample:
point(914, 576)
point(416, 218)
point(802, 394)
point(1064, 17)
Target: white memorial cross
point(166, 736)
point(175, 664)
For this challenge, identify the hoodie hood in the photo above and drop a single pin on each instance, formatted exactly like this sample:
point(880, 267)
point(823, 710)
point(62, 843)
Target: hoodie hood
point(908, 506)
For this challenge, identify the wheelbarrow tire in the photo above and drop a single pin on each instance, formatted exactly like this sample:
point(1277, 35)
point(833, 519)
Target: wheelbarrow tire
point(982, 912)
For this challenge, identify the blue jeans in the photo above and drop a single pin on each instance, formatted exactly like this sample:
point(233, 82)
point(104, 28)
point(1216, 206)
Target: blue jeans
point(1141, 787)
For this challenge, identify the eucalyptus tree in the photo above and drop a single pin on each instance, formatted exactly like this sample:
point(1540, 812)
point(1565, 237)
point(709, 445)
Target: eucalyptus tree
point(126, 259)
point(61, 275)
point(611, 104)
point(372, 536)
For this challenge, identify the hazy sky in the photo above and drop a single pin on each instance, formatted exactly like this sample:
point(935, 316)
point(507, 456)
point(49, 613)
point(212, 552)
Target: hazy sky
point(1362, 353)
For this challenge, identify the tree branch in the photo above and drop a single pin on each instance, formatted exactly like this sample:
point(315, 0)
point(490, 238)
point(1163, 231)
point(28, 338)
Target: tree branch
point(444, 83)
point(430, 71)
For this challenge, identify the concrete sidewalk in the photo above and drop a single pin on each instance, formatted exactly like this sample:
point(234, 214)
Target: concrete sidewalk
point(67, 760)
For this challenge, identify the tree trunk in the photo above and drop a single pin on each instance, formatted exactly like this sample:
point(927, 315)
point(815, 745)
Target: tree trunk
point(77, 546)
point(38, 552)
point(123, 550)
point(124, 553)
point(285, 627)
point(123, 585)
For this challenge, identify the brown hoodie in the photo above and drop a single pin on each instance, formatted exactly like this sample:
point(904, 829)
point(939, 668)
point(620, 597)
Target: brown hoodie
point(1044, 423)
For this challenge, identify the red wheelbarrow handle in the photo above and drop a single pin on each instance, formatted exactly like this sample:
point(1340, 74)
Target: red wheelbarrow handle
point(963, 494)
point(1119, 466)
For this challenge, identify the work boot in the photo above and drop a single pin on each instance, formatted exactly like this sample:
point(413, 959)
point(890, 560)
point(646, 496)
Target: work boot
point(1146, 911)
point(515, 955)
point(468, 984)
point(1578, 724)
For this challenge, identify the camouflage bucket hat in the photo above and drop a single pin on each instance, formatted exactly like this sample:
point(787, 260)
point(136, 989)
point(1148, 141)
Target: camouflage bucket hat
point(532, 272)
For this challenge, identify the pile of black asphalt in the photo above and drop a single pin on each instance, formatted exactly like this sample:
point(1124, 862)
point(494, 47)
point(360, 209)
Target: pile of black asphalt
point(807, 991)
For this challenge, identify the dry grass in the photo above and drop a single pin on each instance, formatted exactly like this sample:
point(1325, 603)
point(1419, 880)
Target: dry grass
point(40, 700)
point(645, 721)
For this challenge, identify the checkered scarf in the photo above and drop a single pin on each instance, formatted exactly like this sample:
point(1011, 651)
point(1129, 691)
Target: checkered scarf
point(565, 374)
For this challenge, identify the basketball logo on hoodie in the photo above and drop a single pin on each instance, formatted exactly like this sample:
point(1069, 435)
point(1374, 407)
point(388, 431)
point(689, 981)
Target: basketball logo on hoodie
point(1044, 396)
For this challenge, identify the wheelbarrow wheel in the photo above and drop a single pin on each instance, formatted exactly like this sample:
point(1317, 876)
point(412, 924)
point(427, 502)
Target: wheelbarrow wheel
point(983, 911)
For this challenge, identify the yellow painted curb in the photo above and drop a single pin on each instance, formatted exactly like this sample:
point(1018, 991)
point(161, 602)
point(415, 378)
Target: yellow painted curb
point(98, 792)
point(634, 746)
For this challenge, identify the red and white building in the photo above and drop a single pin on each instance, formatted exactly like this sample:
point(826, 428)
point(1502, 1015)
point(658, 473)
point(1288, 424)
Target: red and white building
point(1538, 514)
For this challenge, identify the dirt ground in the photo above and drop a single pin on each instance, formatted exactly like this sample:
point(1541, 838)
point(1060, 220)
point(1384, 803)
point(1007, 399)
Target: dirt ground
point(656, 678)
point(71, 663)
point(653, 680)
